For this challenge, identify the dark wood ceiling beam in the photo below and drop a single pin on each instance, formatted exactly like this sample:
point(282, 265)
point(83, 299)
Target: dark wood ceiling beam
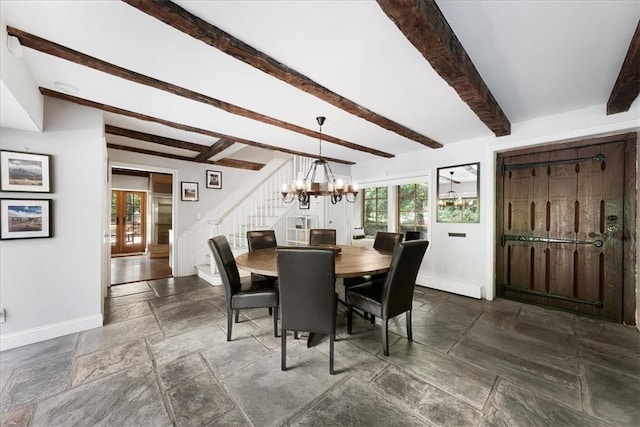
point(34, 42)
point(424, 25)
point(156, 139)
point(627, 86)
point(116, 110)
point(179, 18)
point(216, 148)
point(130, 172)
point(232, 163)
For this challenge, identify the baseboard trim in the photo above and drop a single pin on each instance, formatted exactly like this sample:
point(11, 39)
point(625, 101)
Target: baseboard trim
point(54, 330)
point(472, 290)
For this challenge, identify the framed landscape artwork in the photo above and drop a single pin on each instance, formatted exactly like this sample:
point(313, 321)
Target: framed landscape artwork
point(189, 191)
point(214, 179)
point(26, 172)
point(25, 218)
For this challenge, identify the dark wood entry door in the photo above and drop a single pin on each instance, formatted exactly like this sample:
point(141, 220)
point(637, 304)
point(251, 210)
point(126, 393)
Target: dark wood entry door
point(562, 229)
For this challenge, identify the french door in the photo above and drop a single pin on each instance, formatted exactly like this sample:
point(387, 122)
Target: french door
point(128, 222)
point(561, 228)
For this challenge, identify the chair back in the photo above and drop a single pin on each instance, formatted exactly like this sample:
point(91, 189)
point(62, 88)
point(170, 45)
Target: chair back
point(412, 235)
point(397, 293)
point(261, 239)
point(322, 236)
point(306, 281)
point(226, 264)
point(387, 242)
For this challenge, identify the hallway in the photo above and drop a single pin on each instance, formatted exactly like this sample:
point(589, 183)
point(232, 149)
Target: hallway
point(162, 359)
point(134, 268)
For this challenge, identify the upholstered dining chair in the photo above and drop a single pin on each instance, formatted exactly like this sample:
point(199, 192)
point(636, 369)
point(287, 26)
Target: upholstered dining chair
point(261, 239)
point(308, 302)
point(242, 292)
point(384, 242)
point(412, 235)
point(392, 296)
point(322, 236)
point(387, 242)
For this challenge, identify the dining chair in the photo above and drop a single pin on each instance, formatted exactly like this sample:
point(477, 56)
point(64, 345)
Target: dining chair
point(412, 235)
point(308, 302)
point(322, 236)
point(242, 292)
point(392, 296)
point(384, 242)
point(261, 239)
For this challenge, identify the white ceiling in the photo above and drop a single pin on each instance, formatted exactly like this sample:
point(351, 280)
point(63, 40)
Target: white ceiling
point(537, 58)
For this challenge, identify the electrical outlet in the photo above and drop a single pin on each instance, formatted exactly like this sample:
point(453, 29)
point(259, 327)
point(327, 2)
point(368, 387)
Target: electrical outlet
point(3, 316)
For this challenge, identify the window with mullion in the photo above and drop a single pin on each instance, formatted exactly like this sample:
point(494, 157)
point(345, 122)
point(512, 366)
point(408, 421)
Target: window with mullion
point(413, 208)
point(376, 212)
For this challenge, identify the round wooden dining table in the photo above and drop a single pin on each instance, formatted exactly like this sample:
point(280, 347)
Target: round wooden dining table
point(351, 261)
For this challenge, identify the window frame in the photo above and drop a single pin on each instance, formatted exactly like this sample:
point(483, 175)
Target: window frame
point(424, 229)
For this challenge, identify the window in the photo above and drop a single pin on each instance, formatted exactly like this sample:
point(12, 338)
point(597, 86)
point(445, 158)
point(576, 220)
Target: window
point(413, 208)
point(376, 212)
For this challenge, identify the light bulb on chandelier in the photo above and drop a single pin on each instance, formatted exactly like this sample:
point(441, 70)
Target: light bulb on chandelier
point(315, 185)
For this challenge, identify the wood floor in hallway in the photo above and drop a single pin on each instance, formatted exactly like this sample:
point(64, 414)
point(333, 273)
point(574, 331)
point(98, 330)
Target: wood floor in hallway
point(127, 269)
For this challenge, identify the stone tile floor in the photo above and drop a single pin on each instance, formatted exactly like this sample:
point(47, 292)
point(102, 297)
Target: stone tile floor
point(162, 359)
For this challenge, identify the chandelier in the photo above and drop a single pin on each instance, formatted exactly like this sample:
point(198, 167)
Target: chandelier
point(319, 181)
point(450, 198)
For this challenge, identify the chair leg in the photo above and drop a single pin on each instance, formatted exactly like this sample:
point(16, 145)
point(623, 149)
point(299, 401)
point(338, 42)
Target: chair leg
point(349, 319)
point(373, 319)
point(237, 315)
point(295, 335)
point(332, 338)
point(270, 311)
point(283, 335)
point(229, 323)
point(409, 331)
point(275, 322)
point(385, 336)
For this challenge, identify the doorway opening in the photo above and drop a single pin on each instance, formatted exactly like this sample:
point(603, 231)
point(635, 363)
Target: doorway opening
point(141, 215)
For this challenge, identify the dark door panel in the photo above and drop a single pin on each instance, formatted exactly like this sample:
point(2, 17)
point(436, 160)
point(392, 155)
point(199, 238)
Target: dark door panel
point(561, 225)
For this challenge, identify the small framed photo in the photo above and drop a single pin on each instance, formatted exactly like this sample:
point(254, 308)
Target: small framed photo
point(304, 205)
point(27, 172)
point(214, 179)
point(25, 219)
point(189, 191)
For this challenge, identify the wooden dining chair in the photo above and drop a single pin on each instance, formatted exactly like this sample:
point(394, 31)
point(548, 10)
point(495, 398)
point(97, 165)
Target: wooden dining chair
point(392, 296)
point(308, 302)
point(242, 292)
point(322, 236)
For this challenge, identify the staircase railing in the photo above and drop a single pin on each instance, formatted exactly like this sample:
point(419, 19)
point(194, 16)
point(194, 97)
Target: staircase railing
point(256, 204)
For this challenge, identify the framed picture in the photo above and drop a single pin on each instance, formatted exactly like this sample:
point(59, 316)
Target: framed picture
point(26, 172)
point(304, 205)
point(214, 179)
point(189, 191)
point(25, 218)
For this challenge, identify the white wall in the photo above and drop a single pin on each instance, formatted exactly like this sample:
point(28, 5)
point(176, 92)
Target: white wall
point(466, 265)
point(129, 182)
point(52, 287)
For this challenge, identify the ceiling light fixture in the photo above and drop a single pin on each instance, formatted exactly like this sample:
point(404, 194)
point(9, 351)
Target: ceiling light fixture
point(66, 87)
point(319, 184)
